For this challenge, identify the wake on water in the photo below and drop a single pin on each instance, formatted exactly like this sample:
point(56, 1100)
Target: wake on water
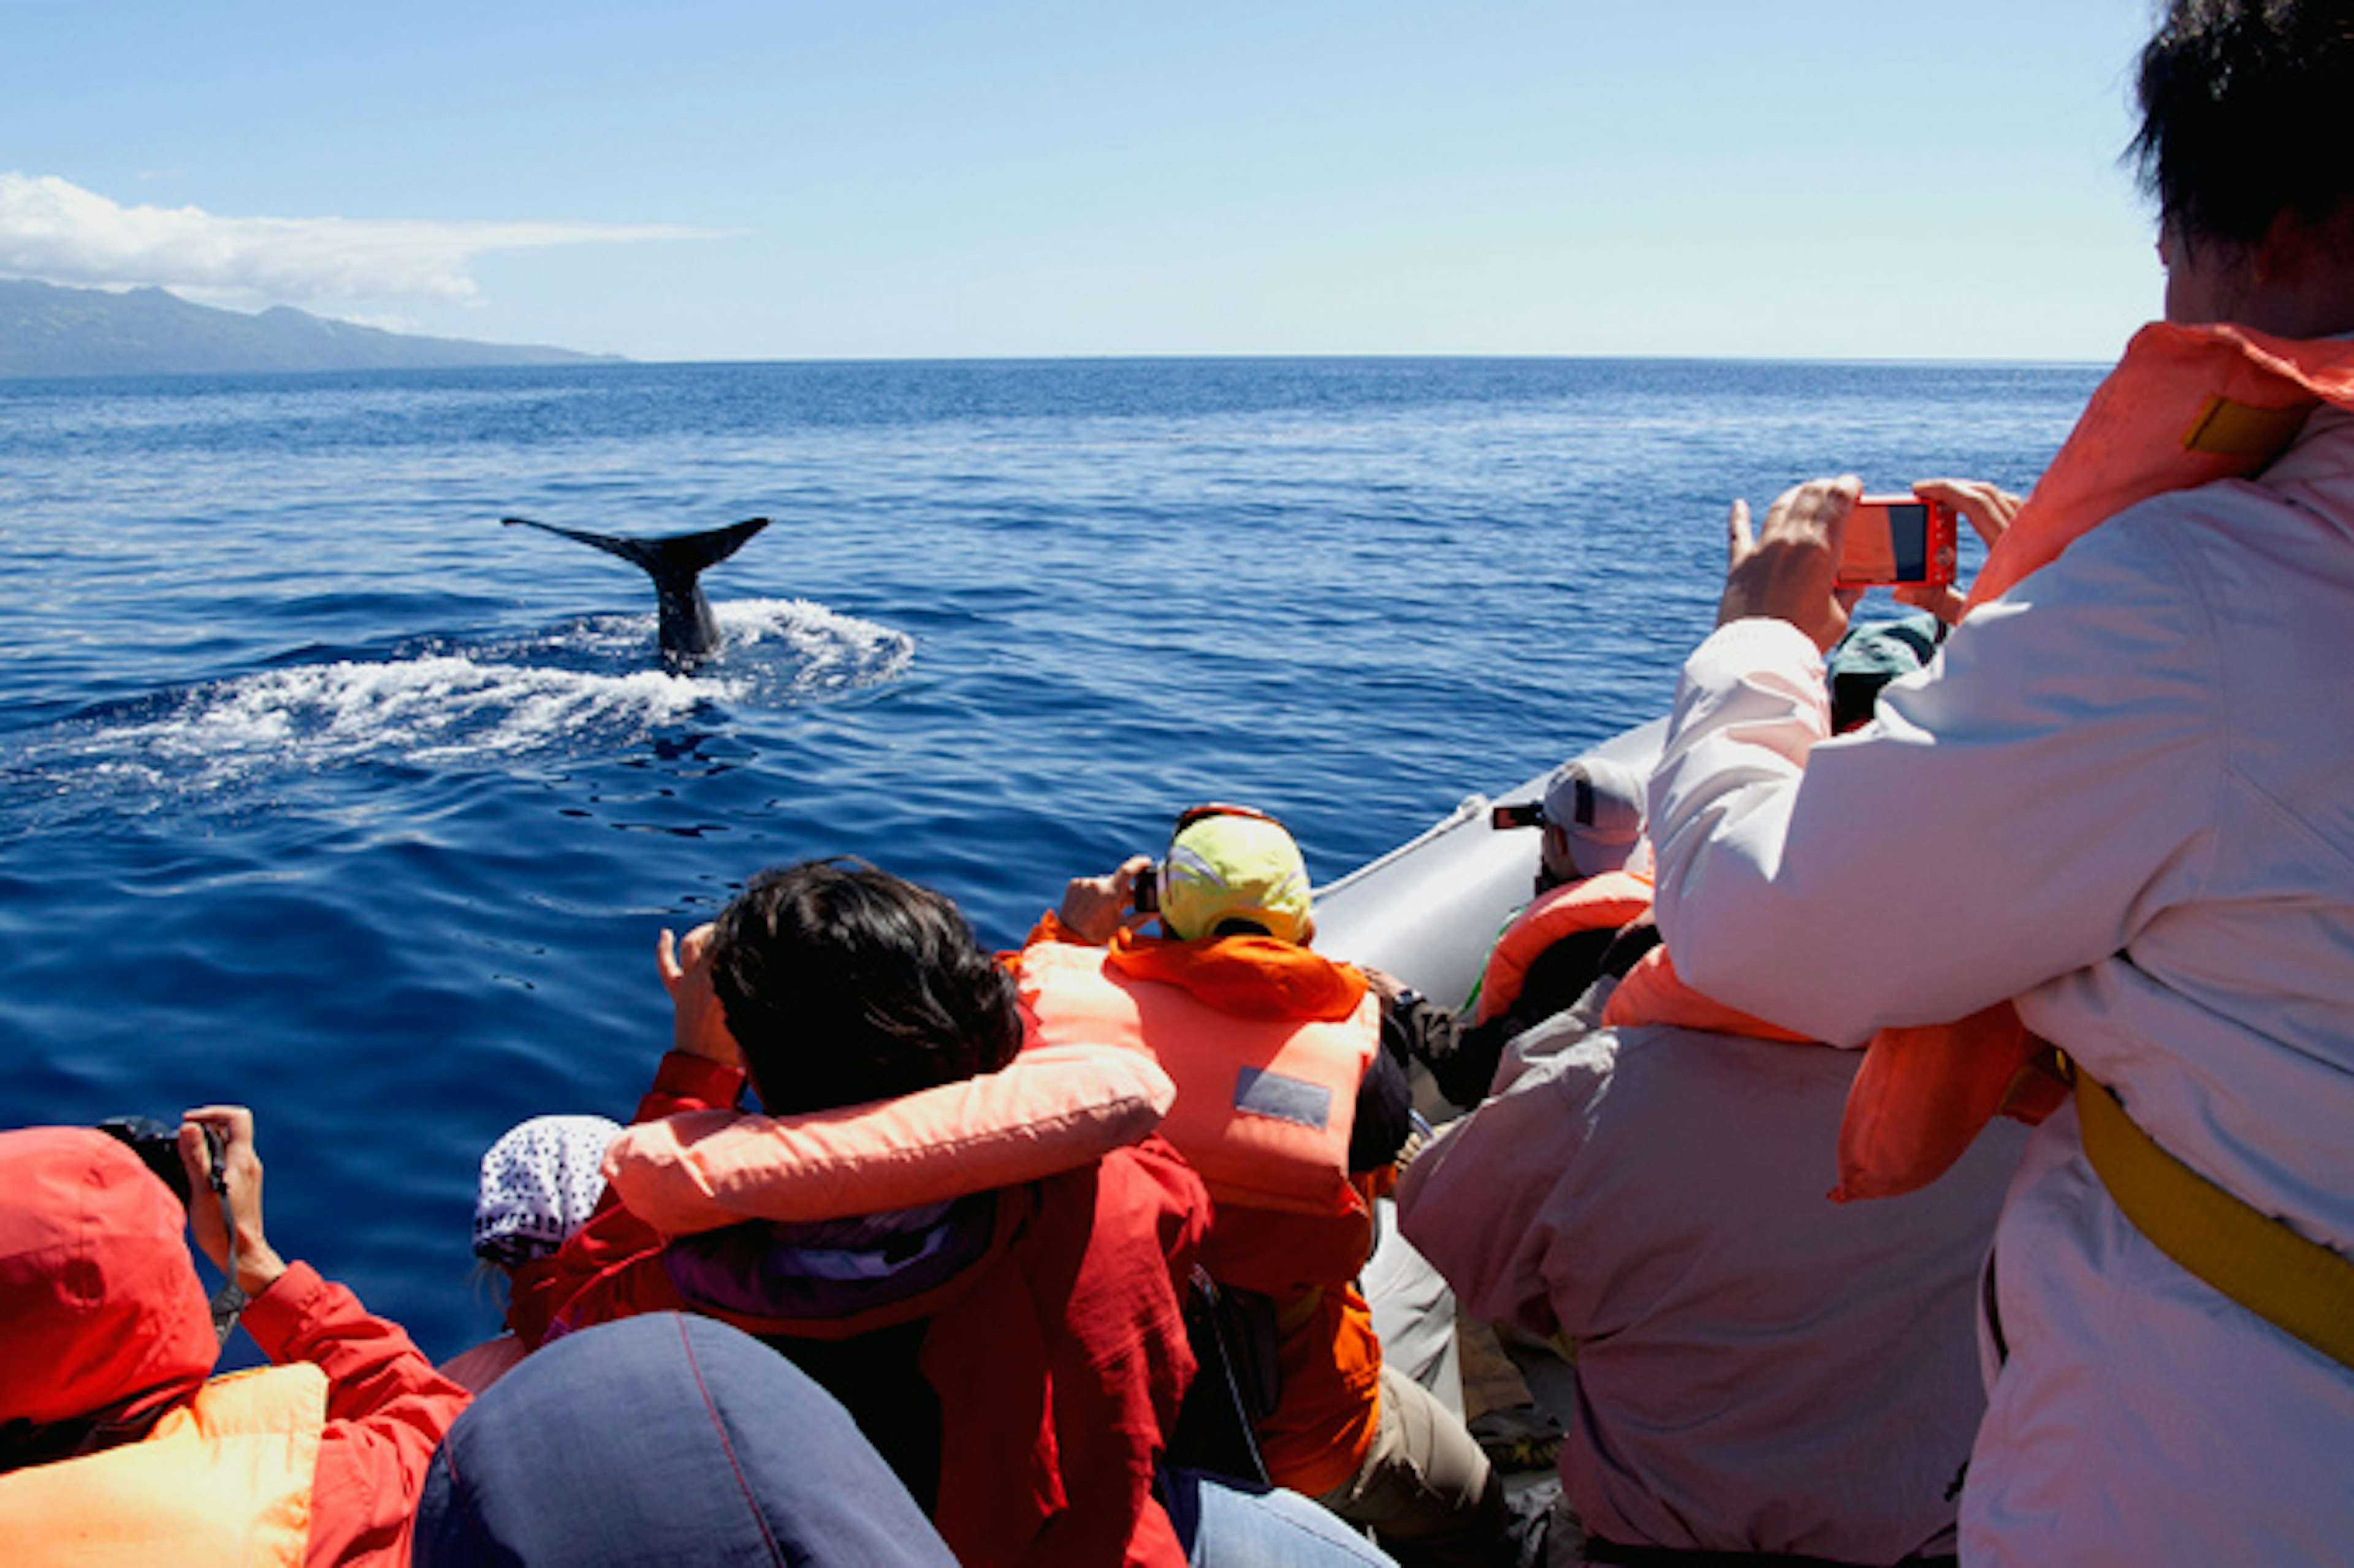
point(587, 685)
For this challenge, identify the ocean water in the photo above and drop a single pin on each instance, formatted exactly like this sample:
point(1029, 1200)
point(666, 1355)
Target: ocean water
point(322, 791)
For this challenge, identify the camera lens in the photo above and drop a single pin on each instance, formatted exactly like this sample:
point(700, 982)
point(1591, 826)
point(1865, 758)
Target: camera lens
point(157, 1144)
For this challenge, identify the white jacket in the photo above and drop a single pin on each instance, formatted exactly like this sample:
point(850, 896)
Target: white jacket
point(1757, 1369)
point(2123, 796)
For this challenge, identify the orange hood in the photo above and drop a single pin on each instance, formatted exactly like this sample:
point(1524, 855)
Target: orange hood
point(100, 1296)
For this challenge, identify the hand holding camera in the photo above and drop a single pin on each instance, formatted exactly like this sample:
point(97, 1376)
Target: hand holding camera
point(209, 1164)
point(217, 1153)
point(1095, 908)
point(1988, 509)
point(157, 1144)
point(1825, 542)
point(1788, 570)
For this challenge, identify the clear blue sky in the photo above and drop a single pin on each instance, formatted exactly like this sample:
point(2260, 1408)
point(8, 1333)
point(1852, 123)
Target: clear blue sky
point(760, 179)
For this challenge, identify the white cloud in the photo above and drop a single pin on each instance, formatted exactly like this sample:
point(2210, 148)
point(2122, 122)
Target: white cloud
point(54, 230)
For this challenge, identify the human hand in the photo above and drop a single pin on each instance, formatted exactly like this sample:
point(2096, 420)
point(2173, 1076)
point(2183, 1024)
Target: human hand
point(245, 1259)
point(1095, 908)
point(698, 1023)
point(1787, 570)
point(1989, 510)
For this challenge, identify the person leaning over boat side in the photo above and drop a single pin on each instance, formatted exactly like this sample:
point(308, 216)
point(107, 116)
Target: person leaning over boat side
point(1747, 1367)
point(2131, 772)
point(1294, 1106)
point(117, 1445)
point(1593, 867)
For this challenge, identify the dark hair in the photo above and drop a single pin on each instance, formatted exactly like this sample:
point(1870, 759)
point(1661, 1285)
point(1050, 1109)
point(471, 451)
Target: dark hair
point(2243, 103)
point(845, 984)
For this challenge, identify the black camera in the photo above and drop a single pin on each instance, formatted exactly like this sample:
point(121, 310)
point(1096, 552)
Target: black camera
point(157, 1144)
point(1517, 814)
point(1144, 897)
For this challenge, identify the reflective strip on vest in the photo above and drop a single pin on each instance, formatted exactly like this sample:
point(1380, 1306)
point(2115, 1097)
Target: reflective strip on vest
point(222, 1482)
point(1264, 1106)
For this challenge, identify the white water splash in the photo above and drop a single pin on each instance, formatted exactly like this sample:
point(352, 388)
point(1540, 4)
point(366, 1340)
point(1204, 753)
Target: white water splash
point(548, 694)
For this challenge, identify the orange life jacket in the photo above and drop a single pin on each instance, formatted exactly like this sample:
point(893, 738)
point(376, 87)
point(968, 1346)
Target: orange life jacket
point(2187, 406)
point(1595, 903)
point(1267, 1042)
point(1265, 1102)
point(223, 1481)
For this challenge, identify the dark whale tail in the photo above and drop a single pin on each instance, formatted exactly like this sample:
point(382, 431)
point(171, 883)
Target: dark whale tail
point(690, 633)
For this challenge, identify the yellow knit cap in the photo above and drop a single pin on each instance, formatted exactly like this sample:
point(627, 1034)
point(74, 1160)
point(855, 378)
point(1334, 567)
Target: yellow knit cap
point(1233, 866)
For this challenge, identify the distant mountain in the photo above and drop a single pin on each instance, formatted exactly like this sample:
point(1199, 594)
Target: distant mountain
point(49, 331)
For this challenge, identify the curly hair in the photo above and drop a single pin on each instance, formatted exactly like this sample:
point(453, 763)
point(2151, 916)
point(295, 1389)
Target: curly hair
point(2244, 106)
point(844, 984)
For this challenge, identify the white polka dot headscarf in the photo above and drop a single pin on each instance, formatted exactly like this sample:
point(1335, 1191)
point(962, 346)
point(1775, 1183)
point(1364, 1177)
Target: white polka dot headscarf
point(540, 1183)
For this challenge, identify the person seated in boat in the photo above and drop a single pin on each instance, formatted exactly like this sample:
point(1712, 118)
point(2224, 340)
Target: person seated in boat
point(664, 1438)
point(1593, 867)
point(539, 1182)
point(1745, 1366)
point(1294, 1107)
point(1592, 878)
point(978, 1254)
point(2130, 772)
point(117, 1443)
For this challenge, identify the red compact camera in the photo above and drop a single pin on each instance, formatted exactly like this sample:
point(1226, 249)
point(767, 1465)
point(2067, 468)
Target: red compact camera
point(1897, 539)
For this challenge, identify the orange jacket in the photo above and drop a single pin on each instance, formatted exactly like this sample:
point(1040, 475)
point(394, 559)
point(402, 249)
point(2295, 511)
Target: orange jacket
point(2186, 406)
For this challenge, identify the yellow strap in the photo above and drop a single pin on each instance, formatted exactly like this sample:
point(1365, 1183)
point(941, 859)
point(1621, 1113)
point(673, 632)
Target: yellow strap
point(2299, 1286)
point(2229, 428)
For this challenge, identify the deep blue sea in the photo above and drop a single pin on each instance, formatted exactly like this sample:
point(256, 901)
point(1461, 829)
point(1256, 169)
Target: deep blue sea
point(324, 792)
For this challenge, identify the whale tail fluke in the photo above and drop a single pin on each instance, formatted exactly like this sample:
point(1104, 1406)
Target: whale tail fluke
point(682, 552)
point(689, 633)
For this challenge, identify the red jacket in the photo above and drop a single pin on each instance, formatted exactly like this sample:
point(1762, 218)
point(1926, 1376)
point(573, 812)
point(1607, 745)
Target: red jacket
point(1058, 1358)
point(103, 1309)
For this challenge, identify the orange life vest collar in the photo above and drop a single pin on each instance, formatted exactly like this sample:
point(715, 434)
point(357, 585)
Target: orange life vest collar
point(223, 1481)
point(1653, 992)
point(1611, 899)
point(1247, 977)
point(2187, 406)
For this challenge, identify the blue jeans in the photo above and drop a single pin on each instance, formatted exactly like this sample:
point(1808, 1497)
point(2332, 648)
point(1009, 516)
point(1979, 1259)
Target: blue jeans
point(1231, 1524)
